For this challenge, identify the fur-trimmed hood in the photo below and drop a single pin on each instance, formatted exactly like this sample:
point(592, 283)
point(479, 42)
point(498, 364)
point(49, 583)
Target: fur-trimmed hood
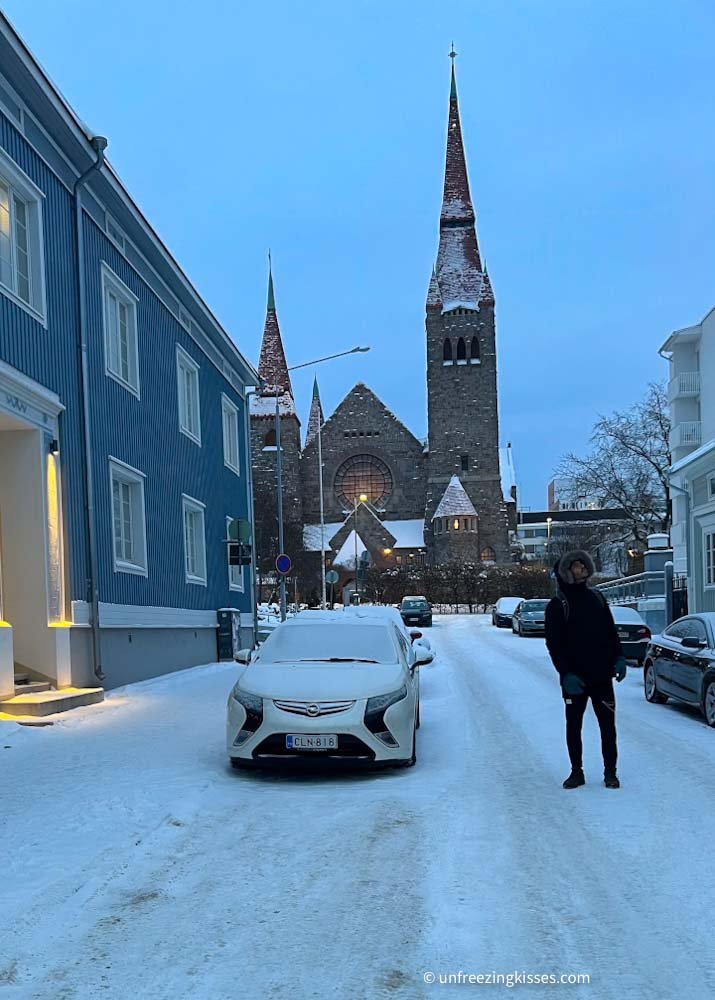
point(564, 564)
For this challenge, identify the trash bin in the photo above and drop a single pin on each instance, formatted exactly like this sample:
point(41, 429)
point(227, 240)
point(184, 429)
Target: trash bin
point(228, 632)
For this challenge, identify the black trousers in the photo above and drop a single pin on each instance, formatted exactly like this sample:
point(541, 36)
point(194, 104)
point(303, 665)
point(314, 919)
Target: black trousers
point(603, 700)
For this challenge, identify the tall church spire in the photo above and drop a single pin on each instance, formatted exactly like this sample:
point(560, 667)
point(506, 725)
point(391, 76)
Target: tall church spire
point(459, 267)
point(272, 365)
point(315, 419)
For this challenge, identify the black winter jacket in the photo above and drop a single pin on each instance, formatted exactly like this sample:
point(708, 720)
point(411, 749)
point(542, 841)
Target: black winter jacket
point(585, 642)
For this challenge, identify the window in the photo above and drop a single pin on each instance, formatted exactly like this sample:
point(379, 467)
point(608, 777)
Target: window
point(474, 351)
point(21, 246)
point(363, 474)
point(121, 359)
point(464, 460)
point(447, 352)
point(194, 540)
point(230, 435)
point(488, 554)
point(461, 351)
point(235, 573)
point(269, 441)
point(115, 234)
point(188, 379)
point(128, 518)
point(709, 552)
point(711, 487)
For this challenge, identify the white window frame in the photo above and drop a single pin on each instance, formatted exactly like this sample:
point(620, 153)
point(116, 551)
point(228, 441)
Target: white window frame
point(22, 189)
point(113, 285)
point(127, 474)
point(115, 233)
point(185, 363)
point(229, 411)
point(709, 548)
point(191, 505)
point(235, 573)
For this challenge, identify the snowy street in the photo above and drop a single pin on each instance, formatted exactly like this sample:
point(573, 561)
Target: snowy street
point(138, 864)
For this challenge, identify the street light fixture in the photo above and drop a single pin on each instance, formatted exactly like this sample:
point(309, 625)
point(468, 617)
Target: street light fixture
point(279, 481)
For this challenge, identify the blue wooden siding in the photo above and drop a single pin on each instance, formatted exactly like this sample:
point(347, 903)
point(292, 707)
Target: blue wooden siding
point(49, 355)
point(145, 434)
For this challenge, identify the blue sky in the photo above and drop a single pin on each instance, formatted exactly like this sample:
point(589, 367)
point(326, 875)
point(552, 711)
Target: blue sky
point(318, 129)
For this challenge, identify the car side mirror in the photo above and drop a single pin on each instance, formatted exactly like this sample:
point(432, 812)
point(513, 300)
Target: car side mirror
point(423, 656)
point(415, 634)
point(692, 642)
point(243, 656)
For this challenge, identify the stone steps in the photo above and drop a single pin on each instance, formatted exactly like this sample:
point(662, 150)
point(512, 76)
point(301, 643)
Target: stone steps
point(49, 702)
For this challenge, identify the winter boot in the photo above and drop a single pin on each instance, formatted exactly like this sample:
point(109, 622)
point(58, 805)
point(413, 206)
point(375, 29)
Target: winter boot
point(575, 779)
point(610, 780)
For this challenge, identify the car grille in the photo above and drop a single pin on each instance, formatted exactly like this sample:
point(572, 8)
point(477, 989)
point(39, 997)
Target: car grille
point(348, 746)
point(323, 707)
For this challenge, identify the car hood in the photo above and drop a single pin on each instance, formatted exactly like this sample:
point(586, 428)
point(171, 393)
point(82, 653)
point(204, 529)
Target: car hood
point(321, 681)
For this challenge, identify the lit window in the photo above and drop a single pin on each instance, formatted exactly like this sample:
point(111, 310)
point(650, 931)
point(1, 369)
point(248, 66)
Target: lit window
point(455, 524)
point(21, 257)
point(235, 573)
point(194, 540)
point(128, 519)
point(488, 555)
point(188, 384)
point(230, 435)
point(120, 332)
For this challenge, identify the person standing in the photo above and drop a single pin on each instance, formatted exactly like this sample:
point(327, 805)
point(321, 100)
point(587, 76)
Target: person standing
point(583, 643)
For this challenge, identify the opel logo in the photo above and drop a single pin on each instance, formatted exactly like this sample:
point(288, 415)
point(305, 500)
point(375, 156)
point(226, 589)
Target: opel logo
point(313, 710)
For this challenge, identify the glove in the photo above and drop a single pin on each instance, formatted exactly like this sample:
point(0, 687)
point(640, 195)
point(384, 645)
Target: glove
point(619, 671)
point(572, 684)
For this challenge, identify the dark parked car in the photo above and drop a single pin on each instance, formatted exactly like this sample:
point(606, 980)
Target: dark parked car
point(528, 619)
point(416, 611)
point(632, 631)
point(504, 610)
point(680, 664)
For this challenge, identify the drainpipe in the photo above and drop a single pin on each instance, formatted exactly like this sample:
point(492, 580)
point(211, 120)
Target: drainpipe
point(251, 513)
point(99, 144)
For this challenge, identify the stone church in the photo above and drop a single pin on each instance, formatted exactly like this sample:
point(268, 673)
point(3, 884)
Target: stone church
point(391, 498)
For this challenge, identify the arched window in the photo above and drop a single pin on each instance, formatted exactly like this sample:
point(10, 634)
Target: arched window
point(269, 441)
point(488, 554)
point(461, 350)
point(474, 349)
point(447, 350)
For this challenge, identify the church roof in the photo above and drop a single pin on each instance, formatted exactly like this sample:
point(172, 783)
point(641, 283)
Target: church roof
point(508, 472)
point(272, 366)
point(315, 419)
point(459, 272)
point(455, 502)
point(346, 555)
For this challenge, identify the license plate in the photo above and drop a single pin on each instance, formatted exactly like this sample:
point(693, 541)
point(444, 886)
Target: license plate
point(624, 635)
point(301, 741)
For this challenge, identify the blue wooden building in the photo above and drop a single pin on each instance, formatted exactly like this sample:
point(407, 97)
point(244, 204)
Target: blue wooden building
point(123, 416)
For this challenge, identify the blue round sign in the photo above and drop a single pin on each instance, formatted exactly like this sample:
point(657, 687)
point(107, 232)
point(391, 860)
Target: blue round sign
point(283, 564)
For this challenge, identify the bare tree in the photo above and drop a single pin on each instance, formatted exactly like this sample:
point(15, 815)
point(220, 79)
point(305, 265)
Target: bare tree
point(628, 465)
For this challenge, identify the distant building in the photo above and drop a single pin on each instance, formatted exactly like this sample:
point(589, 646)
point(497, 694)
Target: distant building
point(691, 393)
point(452, 497)
point(542, 536)
point(563, 495)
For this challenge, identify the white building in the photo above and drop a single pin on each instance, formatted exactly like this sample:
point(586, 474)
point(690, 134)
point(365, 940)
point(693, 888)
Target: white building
point(691, 393)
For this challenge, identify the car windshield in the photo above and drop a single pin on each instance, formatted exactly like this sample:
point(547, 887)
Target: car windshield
point(626, 616)
point(328, 643)
point(508, 604)
point(534, 605)
point(415, 605)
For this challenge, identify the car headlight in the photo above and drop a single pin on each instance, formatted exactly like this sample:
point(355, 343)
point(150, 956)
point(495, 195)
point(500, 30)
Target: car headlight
point(375, 715)
point(253, 707)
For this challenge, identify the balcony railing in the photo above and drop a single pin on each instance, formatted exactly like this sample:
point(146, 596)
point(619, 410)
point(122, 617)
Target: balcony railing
point(686, 434)
point(633, 588)
point(683, 385)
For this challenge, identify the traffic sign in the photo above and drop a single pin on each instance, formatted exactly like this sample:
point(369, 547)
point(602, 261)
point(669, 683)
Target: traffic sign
point(331, 576)
point(283, 564)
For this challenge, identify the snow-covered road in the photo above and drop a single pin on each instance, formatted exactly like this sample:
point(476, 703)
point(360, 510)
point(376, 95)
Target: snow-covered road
point(138, 865)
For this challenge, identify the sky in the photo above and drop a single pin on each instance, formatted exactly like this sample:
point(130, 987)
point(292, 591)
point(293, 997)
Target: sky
point(318, 130)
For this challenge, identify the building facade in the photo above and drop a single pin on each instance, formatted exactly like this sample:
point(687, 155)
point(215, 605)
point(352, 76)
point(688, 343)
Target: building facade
point(691, 392)
point(123, 422)
point(449, 497)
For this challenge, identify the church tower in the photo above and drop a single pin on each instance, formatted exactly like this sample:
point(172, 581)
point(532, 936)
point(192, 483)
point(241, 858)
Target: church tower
point(275, 389)
point(462, 405)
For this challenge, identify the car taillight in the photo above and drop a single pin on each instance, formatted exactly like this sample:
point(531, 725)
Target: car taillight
point(644, 632)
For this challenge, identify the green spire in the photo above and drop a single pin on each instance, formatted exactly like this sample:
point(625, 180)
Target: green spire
point(271, 296)
point(453, 88)
point(316, 394)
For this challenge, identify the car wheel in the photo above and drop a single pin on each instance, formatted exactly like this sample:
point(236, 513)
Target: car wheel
point(641, 661)
point(652, 694)
point(709, 703)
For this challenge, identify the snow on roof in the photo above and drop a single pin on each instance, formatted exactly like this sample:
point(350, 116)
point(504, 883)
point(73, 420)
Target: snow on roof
point(459, 270)
point(346, 555)
point(407, 534)
point(508, 472)
point(455, 501)
point(311, 535)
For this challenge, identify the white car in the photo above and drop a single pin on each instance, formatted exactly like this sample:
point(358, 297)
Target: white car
point(341, 688)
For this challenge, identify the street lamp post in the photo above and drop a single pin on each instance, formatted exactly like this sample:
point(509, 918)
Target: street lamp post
point(279, 480)
point(549, 521)
point(361, 499)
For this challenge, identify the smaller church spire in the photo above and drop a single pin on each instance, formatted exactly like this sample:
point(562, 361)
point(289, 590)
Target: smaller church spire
point(315, 419)
point(487, 291)
point(271, 306)
point(434, 297)
point(272, 365)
